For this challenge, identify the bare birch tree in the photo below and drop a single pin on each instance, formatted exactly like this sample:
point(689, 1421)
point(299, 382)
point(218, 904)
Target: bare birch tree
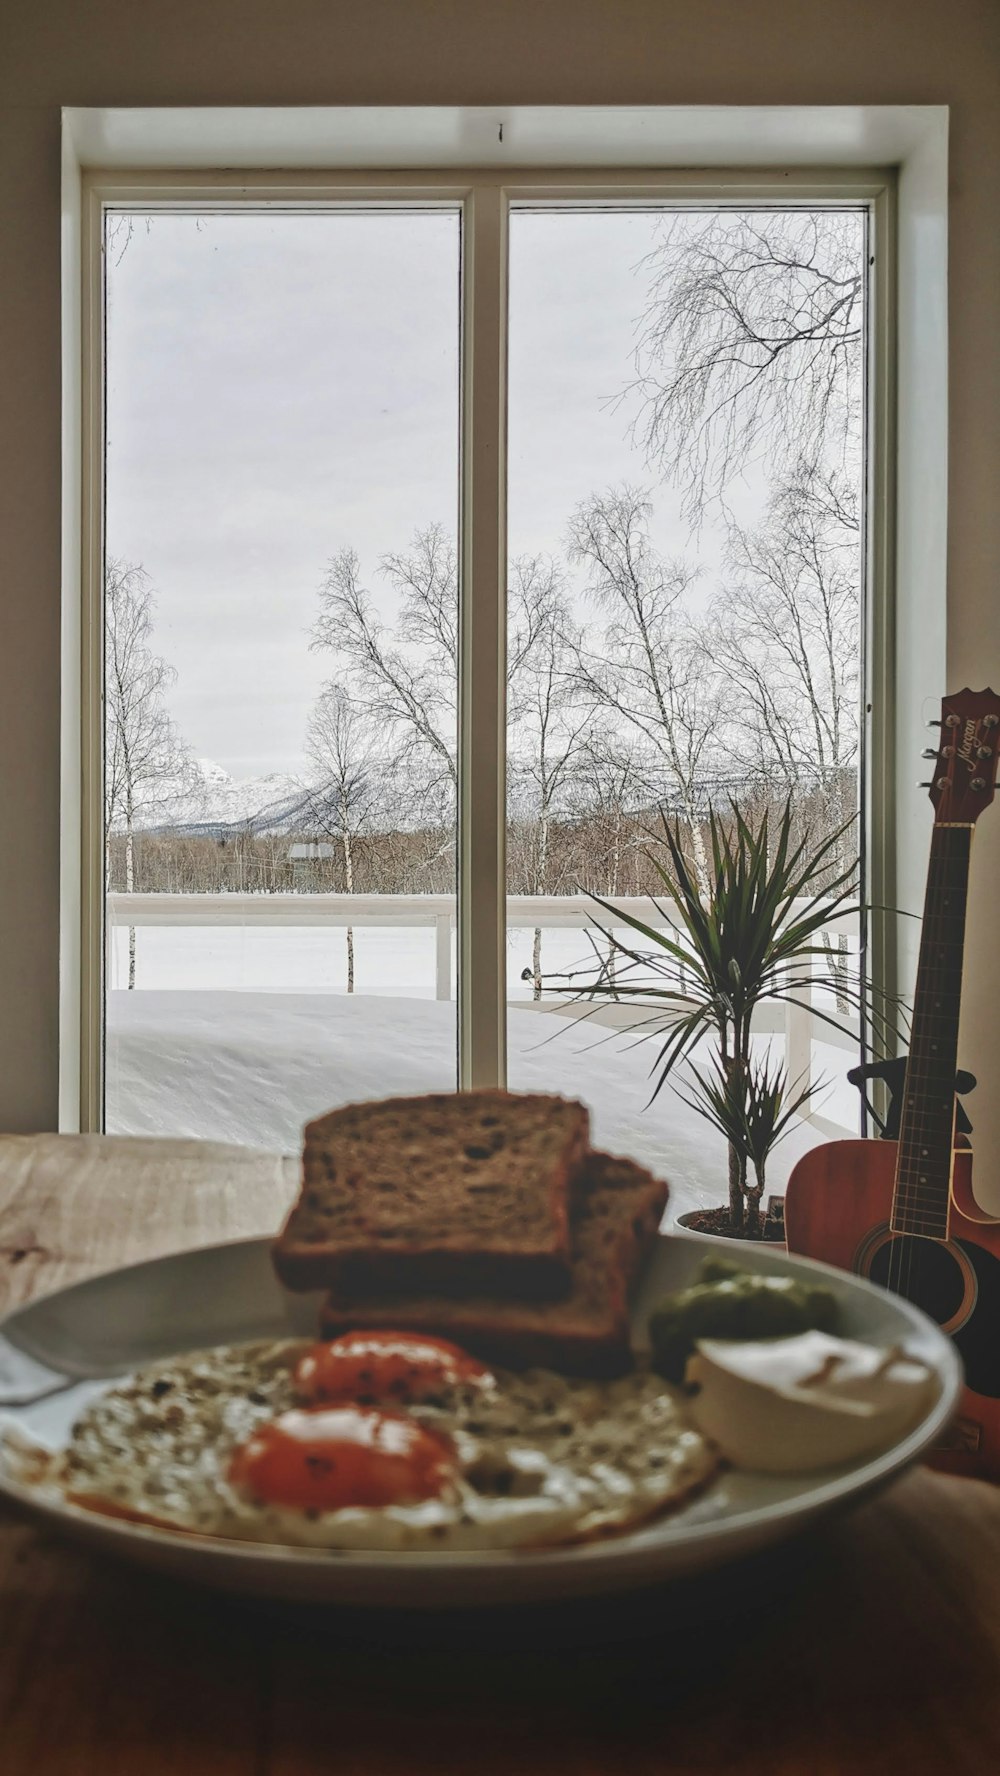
point(148, 771)
point(786, 627)
point(610, 787)
point(647, 670)
point(351, 794)
point(787, 634)
point(750, 346)
point(405, 670)
point(547, 722)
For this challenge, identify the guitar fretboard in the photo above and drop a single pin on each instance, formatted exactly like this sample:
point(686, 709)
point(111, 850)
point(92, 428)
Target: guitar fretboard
point(926, 1134)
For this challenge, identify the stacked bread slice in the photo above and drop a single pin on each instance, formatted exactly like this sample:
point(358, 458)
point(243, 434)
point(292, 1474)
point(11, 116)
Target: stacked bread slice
point(482, 1216)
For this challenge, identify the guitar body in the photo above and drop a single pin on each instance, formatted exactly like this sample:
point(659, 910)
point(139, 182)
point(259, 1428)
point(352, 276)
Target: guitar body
point(903, 1213)
point(838, 1203)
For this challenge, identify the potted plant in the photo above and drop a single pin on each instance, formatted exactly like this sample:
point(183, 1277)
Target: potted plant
point(753, 1107)
point(751, 931)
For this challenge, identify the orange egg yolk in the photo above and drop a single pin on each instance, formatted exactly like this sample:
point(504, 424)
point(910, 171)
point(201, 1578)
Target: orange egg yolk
point(328, 1458)
point(396, 1366)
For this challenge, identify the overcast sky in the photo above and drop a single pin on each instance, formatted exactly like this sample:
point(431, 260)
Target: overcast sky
point(280, 386)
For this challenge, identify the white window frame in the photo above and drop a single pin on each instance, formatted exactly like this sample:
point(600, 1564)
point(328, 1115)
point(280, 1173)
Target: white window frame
point(484, 196)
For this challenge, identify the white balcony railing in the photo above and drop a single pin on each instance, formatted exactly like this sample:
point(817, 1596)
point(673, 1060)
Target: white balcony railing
point(549, 912)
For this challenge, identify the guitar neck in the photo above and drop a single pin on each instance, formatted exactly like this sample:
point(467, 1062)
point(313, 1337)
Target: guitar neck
point(926, 1133)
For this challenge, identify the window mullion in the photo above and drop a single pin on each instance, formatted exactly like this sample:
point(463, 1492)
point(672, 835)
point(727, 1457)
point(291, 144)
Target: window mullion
point(482, 613)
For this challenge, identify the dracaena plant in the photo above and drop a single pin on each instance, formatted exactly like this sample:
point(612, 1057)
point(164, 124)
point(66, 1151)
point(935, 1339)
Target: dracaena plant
point(753, 1108)
point(752, 931)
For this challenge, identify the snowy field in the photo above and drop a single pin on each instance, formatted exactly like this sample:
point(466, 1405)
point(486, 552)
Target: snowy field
point(399, 963)
point(252, 1067)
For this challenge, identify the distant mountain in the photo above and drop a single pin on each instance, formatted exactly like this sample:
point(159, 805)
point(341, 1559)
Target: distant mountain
point(215, 803)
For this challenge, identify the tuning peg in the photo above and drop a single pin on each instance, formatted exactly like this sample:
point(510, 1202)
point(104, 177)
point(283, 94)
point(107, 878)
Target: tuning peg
point(978, 783)
point(929, 752)
point(932, 724)
point(926, 785)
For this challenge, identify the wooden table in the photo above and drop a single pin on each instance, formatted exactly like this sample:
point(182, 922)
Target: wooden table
point(872, 1645)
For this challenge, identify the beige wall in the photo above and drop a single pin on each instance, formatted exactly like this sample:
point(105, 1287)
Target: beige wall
point(317, 52)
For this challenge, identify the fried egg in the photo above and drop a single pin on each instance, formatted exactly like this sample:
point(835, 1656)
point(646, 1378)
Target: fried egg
point(382, 1442)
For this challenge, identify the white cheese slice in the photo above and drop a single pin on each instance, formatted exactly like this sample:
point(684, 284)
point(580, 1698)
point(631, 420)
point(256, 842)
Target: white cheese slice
point(792, 1405)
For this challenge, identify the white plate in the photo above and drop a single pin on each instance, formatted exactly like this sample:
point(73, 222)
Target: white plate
point(59, 1351)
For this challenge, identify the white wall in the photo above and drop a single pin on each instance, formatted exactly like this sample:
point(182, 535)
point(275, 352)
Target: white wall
point(325, 52)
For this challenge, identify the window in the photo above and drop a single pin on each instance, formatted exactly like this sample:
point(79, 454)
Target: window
point(310, 550)
point(686, 596)
point(280, 636)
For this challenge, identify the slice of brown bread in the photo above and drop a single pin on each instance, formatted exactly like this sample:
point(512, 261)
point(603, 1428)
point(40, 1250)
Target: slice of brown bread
point(617, 1210)
point(453, 1191)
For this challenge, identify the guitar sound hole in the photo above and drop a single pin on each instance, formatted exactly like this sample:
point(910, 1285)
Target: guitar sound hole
point(922, 1271)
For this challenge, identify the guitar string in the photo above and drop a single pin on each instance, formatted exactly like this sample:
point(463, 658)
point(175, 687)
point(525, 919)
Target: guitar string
point(947, 878)
point(906, 1258)
point(947, 873)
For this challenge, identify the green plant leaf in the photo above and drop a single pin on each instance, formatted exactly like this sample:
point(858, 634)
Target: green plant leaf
point(751, 932)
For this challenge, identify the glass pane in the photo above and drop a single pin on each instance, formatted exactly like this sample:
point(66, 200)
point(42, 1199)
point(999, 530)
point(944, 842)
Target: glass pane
point(281, 615)
point(686, 436)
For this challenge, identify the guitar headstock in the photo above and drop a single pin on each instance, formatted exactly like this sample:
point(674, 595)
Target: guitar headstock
point(965, 770)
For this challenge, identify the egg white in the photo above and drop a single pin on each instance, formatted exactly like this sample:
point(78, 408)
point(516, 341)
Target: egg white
point(541, 1459)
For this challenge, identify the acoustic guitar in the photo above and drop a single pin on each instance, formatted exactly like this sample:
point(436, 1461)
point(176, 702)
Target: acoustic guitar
point(903, 1212)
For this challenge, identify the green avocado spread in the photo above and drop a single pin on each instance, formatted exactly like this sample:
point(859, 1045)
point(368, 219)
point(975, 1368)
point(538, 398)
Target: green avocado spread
point(727, 1302)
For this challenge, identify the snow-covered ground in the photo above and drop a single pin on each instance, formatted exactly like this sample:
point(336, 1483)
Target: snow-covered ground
point(392, 960)
point(251, 1067)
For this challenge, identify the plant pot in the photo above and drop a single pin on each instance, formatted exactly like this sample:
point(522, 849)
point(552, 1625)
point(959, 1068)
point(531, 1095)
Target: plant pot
point(722, 1239)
